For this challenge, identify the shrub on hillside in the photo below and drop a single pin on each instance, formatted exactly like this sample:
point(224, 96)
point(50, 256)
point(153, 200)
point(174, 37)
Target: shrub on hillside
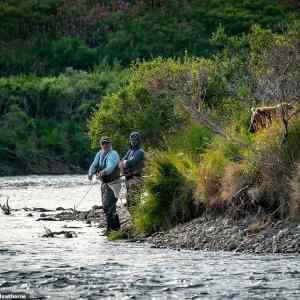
point(56, 108)
point(294, 201)
point(168, 195)
point(34, 32)
point(264, 167)
point(153, 100)
point(274, 158)
point(171, 179)
point(133, 108)
point(220, 155)
point(192, 139)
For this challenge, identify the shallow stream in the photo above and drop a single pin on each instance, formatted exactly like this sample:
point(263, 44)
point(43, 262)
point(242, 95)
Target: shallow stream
point(90, 267)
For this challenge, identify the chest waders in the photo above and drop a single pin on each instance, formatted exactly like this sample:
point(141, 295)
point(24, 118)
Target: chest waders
point(109, 200)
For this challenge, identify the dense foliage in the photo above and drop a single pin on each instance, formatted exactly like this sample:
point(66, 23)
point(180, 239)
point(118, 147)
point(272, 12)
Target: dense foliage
point(48, 36)
point(184, 73)
point(237, 171)
point(150, 102)
point(43, 119)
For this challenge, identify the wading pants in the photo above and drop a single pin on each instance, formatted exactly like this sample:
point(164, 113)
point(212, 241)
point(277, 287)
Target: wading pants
point(134, 187)
point(109, 202)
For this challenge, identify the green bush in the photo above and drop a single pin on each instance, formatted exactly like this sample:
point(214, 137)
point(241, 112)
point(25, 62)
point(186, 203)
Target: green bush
point(45, 37)
point(211, 172)
point(168, 196)
point(43, 119)
point(152, 102)
point(118, 235)
point(273, 161)
point(133, 109)
point(294, 194)
point(192, 139)
point(68, 52)
point(264, 162)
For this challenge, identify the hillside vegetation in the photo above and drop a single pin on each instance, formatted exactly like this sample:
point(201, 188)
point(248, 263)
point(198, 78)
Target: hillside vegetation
point(60, 59)
point(203, 158)
point(43, 119)
point(45, 37)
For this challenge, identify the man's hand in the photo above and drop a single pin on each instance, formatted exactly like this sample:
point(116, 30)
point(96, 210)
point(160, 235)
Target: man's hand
point(90, 177)
point(122, 164)
point(100, 174)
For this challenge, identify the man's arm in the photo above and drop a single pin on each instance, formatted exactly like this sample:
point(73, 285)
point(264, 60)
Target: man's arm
point(138, 156)
point(94, 165)
point(112, 161)
point(126, 155)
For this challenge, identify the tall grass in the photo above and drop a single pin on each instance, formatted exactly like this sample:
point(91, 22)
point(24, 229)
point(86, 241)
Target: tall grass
point(294, 203)
point(172, 175)
point(168, 196)
point(264, 163)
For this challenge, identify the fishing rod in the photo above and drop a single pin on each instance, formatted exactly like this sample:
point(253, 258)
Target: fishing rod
point(122, 192)
point(84, 196)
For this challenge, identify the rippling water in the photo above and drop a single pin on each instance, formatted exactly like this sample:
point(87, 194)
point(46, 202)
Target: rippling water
point(90, 267)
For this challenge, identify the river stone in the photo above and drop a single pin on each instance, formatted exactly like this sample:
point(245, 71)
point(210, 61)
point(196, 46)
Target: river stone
point(282, 233)
point(47, 219)
point(40, 209)
point(70, 234)
point(60, 208)
point(83, 215)
point(91, 214)
point(97, 207)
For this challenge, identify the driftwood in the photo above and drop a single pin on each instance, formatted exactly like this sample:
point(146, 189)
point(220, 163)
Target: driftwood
point(241, 203)
point(67, 234)
point(47, 219)
point(6, 208)
point(40, 209)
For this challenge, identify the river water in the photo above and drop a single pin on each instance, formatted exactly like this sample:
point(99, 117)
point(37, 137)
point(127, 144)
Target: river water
point(90, 267)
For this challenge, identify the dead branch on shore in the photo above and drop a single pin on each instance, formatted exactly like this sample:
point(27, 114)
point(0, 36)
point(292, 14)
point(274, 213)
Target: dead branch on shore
point(67, 234)
point(5, 207)
point(47, 218)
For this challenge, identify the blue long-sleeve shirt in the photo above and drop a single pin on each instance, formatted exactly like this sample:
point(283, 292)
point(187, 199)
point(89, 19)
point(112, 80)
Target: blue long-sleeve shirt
point(106, 162)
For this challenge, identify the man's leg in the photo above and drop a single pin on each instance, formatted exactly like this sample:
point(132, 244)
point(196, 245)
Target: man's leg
point(109, 202)
point(134, 187)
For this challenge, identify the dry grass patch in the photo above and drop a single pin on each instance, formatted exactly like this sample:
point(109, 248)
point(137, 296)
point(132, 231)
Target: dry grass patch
point(294, 201)
point(261, 224)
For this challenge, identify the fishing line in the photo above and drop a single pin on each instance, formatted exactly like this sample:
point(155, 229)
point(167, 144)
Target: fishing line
point(80, 201)
point(122, 194)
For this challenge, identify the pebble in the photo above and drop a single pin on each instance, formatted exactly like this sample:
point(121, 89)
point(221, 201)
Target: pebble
point(211, 233)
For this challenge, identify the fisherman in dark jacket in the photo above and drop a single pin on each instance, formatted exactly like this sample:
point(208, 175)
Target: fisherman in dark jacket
point(106, 167)
point(132, 166)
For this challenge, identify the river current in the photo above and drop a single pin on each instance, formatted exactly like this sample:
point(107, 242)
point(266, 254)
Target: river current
point(91, 267)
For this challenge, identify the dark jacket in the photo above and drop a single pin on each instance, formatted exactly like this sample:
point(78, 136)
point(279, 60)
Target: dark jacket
point(135, 162)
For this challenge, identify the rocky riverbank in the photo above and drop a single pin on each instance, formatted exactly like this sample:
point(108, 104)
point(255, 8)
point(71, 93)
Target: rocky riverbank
point(93, 217)
point(252, 234)
point(249, 235)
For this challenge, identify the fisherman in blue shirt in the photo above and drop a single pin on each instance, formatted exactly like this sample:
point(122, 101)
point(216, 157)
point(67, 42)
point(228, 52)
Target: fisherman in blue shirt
point(106, 167)
point(132, 166)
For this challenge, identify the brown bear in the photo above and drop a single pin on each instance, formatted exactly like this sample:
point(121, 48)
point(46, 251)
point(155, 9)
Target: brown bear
point(262, 117)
